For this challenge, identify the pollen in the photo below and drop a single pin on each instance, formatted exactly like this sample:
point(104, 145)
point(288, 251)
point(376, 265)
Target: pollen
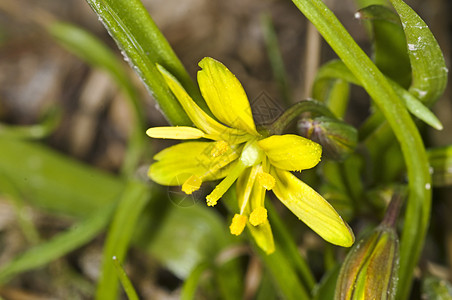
point(258, 216)
point(219, 148)
point(192, 184)
point(212, 200)
point(266, 180)
point(238, 224)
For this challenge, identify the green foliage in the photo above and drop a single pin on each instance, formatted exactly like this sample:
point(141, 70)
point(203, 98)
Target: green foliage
point(404, 77)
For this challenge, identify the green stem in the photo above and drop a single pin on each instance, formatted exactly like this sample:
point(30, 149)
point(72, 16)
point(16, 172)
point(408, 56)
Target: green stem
point(419, 202)
point(290, 248)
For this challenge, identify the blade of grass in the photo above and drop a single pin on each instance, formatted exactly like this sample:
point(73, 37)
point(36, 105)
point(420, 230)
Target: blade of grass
point(125, 281)
point(283, 274)
point(134, 198)
point(429, 70)
point(441, 162)
point(290, 248)
point(143, 45)
point(48, 124)
point(191, 283)
point(8, 188)
point(389, 43)
point(50, 180)
point(337, 69)
point(63, 243)
point(419, 202)
point(90, 49)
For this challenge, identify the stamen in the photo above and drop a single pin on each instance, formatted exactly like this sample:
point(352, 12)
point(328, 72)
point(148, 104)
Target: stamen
point(225, 184)
point(266, 180)
point(248, 189)
point(193, 183)
point(238, 224)
point(258, 216)
point(219, 148)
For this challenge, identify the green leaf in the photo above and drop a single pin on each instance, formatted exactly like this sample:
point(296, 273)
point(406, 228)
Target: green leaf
point(144, 46)
point(132, 202)
point(429, 75)
point(187, 236)
point(440, 160)
point(390, 47)
point(125, 281)
point(90, 49)
point(427, 61)
point(63, 243)
point(52, 181)
point(289, 248)
point(191, 283)
point(380, 90)
point(327, 286)
point(45, 127)
point(283, 274)
point(337, 69)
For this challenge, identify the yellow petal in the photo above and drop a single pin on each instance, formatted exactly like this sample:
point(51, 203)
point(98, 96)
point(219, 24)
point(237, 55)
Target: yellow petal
point(175, 132)
point(192, 184)
point(201, 119)
point(312, 209)
point(291, 152)
point(177, 163)
point(225, 95)
point(263, 236)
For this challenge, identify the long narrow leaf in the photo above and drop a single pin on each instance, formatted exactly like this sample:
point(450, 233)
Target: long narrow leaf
point(389, 43)
point(94, 52)
point(191, 283)
point(125, 281)
point(144, 46)
point(337, 69)
point(52, 181)
point(419, 203)
point(133, 200)
point(429, 70)
point(58, 246)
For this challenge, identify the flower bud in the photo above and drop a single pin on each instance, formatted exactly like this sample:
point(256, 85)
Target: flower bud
point(338, 139)
point(370, 268)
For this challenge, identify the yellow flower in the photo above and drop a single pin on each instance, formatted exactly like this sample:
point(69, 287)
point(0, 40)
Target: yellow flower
point(239, 153)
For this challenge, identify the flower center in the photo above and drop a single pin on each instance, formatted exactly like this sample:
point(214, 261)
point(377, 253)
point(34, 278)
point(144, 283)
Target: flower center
point(252, 154)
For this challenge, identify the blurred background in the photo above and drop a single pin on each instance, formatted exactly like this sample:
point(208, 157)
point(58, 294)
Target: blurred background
point(37, 75)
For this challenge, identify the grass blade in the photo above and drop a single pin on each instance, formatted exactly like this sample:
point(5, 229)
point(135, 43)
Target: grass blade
point(58, 246)
point(144, 46)
point(125, 281)
point(419, 202)
point(429, 70)
point(133, 200)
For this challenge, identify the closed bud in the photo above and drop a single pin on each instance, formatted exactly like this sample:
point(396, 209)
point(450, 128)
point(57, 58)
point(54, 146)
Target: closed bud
point(370, 268)
point(338, 139)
